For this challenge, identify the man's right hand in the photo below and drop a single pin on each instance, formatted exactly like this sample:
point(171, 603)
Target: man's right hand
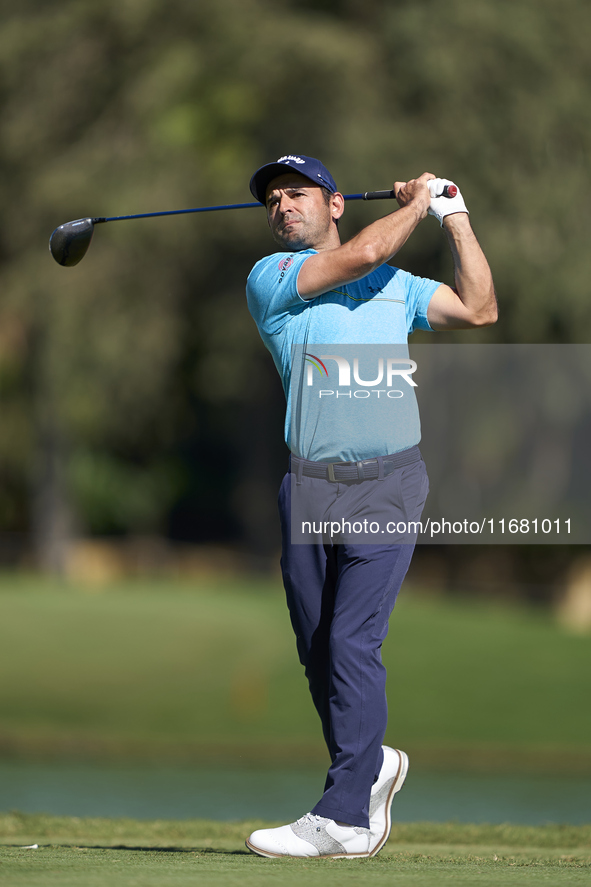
point(415, 192)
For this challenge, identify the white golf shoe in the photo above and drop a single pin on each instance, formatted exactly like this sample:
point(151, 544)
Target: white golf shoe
point(311, 836)
point(390, 781)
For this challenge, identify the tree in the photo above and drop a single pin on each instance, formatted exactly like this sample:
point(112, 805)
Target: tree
point(136, 394)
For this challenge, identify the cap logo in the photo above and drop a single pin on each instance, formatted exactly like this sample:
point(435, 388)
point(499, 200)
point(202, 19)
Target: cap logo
point(290, 157)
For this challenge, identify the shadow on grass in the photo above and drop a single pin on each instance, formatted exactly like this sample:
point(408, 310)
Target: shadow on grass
point(132, 849)
point(169, 849)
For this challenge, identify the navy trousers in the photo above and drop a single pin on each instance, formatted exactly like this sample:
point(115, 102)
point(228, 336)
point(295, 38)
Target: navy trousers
point(340, 596)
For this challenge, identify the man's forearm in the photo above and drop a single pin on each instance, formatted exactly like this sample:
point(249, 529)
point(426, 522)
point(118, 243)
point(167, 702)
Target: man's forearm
point(473, 278)
point(369, 249)
point(381, 240)
point(374, 245)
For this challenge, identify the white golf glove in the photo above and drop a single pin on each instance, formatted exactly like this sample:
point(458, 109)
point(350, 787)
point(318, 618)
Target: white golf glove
point(441, 206)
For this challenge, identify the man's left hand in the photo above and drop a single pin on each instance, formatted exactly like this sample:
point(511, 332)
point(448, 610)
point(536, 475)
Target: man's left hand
point(441, 206)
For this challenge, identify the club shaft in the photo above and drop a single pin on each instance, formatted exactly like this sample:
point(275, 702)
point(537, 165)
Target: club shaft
point(178, 212)
point(367, 195)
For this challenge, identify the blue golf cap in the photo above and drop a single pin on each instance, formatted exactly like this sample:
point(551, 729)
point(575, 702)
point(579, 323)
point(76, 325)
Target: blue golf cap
point(306, 166)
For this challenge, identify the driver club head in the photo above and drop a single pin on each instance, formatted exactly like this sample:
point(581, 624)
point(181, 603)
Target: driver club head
point(69, 242)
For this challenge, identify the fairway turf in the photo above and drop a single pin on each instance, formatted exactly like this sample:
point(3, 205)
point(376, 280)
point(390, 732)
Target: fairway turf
point(127, 853)
point(199, 671)
point(161, 668)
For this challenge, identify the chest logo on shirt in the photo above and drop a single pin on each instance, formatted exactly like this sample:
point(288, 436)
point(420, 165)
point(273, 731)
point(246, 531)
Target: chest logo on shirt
point(284, 264)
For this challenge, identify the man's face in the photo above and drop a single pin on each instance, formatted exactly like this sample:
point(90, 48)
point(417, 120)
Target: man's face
point(298, 215)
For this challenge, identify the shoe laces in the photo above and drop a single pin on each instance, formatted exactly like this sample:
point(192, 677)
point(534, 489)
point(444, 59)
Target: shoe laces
point(312, 818)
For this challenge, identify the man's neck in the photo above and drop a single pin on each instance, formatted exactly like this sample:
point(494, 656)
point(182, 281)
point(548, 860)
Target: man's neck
point(331, 242)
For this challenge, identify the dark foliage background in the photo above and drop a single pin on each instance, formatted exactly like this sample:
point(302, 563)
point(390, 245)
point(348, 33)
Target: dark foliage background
point(136, 397)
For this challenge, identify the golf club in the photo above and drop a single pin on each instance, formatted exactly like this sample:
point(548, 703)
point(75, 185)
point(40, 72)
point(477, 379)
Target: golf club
point(69, 242)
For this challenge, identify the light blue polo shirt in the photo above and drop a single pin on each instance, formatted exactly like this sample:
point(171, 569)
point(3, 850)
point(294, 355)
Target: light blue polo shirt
point(355, 421)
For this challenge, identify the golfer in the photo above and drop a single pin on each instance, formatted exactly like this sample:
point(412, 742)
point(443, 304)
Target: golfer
point(340, 592)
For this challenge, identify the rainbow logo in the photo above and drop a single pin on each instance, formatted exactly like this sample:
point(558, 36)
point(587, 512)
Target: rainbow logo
point(315, 362)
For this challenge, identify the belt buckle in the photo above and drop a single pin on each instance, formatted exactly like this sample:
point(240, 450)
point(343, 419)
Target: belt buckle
point(331, 467)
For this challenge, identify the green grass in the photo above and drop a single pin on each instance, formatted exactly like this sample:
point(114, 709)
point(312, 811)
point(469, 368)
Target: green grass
point(171, 669)
point(127, 853)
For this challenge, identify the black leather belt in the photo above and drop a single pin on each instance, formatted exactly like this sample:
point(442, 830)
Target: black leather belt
point(366, 469)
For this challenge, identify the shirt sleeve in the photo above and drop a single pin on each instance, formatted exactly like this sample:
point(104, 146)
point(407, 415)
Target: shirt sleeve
point(419, 291)
point(272, 293)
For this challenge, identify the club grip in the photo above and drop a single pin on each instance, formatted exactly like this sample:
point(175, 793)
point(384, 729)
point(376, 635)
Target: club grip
point(448, 191)
point(378, 195)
